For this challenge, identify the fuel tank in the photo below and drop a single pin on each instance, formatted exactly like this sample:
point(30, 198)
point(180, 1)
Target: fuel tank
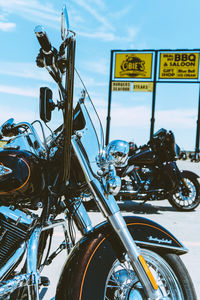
point(146, 157)
point(21, 177)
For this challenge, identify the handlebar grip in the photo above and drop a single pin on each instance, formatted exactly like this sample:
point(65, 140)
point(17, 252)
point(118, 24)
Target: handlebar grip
point(43, 39)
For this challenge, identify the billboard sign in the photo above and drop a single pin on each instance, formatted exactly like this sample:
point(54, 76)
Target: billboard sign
point(133, 65)
point(179, 65)
point(121, 86)
point(143, 86)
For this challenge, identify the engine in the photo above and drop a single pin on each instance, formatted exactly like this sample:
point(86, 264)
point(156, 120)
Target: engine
point(14, 228)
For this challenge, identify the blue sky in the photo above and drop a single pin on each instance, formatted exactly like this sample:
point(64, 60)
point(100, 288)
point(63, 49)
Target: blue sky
point(101, 26)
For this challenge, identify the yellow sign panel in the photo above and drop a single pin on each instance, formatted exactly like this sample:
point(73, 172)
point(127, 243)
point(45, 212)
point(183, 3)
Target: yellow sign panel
point(133, 65)
point(143, 86)
point(179, 65)
point(121, 86)
point(2, 143)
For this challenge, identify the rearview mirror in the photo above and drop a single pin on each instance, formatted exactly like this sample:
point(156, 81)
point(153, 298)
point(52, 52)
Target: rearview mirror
point(64, 23)
point(46, 104)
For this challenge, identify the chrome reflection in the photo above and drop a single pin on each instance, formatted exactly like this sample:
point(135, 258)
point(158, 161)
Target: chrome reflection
point(119, 150)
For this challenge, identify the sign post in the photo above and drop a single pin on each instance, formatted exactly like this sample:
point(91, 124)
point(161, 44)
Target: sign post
point(153, 99)
point(198, 130)
point(129, 65)
point(109, 101)
point(145, 68)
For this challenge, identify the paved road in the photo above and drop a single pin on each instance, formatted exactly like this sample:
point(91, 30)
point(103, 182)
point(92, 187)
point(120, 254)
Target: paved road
point(185, 226)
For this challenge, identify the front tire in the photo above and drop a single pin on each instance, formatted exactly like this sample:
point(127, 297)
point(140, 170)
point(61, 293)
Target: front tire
point(99, 275)
point(186, 200)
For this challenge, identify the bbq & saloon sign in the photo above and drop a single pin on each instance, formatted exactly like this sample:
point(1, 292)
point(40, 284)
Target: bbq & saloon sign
point(179, 65)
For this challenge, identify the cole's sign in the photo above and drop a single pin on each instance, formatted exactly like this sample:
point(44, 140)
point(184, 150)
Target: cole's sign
point(133, 65)
point(179, 65)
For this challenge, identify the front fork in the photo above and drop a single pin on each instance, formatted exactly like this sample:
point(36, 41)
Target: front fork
point(110, 209)
point(181, 180)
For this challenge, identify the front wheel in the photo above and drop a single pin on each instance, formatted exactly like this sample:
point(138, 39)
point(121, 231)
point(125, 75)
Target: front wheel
point(100, 275)
point(187, 197)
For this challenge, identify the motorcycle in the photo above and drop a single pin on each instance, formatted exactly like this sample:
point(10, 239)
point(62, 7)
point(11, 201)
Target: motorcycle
point(121, 258)
point(150, 172)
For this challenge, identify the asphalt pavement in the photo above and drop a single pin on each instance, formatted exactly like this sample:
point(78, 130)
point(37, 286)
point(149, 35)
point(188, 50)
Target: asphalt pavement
point(184, 225)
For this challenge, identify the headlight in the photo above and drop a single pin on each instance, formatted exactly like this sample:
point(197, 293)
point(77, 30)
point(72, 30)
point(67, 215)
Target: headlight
point(119, 150)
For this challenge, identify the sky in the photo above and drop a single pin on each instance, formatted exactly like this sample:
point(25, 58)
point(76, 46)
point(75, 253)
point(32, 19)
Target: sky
point(101, 26)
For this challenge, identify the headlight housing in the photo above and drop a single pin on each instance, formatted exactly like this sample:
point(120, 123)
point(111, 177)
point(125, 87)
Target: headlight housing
point(119, 150)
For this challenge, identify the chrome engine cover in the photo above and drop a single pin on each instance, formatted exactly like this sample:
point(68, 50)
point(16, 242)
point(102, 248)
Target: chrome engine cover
point(14, 228)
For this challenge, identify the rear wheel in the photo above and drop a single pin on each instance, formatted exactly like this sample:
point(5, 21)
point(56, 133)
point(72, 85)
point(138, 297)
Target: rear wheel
point(186, 198)
point(100, 275)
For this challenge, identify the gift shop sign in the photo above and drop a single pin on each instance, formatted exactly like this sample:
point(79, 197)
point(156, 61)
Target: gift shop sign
point(179, 65)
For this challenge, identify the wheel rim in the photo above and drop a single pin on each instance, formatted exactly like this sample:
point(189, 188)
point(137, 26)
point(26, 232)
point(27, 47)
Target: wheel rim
point(186, 201)
point(122, 282)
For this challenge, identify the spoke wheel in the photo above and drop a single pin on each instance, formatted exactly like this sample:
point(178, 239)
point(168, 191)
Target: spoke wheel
point(187, 199)
point(123, 284)
point(96, 272)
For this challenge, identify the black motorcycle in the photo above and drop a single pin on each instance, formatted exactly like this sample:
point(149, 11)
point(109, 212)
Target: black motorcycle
point(150, 173)
point(131, 258)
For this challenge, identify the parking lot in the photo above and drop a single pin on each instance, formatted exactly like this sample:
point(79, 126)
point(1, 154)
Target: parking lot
point(184, 225)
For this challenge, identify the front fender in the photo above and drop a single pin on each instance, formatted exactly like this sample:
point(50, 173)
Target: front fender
point(189, 173)
point(146, 233)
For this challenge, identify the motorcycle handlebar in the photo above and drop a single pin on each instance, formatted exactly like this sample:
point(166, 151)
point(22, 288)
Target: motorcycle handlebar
point(9, 131)
point(43, 39)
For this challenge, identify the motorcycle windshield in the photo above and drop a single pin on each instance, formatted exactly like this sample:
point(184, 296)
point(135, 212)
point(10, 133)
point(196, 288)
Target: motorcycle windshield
point(91, 135)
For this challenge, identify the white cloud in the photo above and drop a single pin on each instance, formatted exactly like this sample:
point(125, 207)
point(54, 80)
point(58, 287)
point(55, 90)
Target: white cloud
point(27, 70)
point(6, 26)
point(129, 116)
point(100, 67)
point(139, 116)
point(21, 91)
point(95, 13)
point(121, 13)
point(99, 3)
point(178, 118)
point(98, 34)
point(26, 91)
point(108, 36)
point(131, 33)
point(32, 10)
point(18, 115)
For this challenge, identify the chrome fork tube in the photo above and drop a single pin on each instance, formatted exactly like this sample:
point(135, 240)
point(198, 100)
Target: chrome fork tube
point(80, 215)
point(120, 227)
point(107, 207)
point(32, 255)
point(110, 209)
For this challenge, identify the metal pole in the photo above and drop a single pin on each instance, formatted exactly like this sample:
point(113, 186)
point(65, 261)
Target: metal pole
point(109, 101)
point(153, 98)
point(198, 129)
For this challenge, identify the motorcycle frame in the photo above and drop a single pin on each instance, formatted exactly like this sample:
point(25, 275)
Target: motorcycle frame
point(135, 177)
point(31, 278)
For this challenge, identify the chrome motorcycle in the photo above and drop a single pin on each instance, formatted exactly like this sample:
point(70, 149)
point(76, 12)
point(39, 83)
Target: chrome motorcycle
point(150, 172)
point(122, 258)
